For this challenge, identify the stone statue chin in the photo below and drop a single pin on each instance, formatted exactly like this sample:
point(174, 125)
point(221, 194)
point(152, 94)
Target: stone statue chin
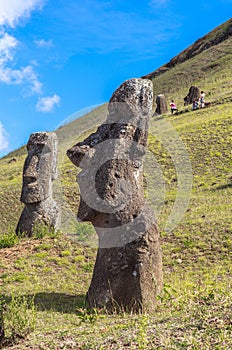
point(38, 173)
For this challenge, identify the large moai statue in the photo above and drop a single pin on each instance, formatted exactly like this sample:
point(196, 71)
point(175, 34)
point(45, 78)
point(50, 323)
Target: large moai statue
point(128, 267)
point(193, 94)
point(161, 105)
point(40, 169)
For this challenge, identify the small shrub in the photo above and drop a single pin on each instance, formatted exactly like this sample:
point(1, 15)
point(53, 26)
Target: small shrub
point(18, 318)
point(43, 246)
point(167, 293)
point(19, 277)
point(85, 231)
point(88, 315)
point(65, 253)
point(8, 240)
point(79, 259)
point(41, 230)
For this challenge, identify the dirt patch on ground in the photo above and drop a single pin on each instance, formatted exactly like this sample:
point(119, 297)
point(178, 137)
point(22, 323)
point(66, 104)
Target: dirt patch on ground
point(9, 255)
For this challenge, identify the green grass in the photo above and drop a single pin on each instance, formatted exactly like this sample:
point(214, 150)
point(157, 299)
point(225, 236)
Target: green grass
point(18, 318)
point(194, 309)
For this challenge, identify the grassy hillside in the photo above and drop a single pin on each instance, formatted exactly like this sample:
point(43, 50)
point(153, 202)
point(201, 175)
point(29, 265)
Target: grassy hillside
point(54, 272)
point(210, 71)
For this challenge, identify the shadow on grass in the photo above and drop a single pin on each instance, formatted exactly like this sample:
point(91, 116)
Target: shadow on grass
point(58, 302)
point(222, 187)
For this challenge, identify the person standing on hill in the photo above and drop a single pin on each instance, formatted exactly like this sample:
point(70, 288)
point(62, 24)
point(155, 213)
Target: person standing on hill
point(173, 106)
point(202, 99)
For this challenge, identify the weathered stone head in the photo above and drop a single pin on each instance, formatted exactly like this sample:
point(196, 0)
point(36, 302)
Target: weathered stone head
point(127, 271)
point(111, 159)
point(40, 169)
point(193, 94)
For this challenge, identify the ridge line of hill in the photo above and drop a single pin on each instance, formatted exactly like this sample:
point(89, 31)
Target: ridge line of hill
point(213, 38)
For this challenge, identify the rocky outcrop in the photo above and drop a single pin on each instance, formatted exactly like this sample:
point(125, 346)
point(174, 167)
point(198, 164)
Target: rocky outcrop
point(128, 267)
point(40, 169)
point(12, 160)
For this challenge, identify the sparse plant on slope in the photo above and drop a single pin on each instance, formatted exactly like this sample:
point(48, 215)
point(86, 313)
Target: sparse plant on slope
point(17, 319)
point(42, 230)
point(8, 240)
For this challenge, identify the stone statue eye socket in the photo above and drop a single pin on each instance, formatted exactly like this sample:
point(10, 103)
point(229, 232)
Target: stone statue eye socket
point(35, 148)
point(29, 179)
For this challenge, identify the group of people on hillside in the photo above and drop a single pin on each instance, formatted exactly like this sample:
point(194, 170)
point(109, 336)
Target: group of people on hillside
point(200, 103)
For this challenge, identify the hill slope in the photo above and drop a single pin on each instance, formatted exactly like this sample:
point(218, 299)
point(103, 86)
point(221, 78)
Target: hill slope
point(194, 310)
point(213, 38)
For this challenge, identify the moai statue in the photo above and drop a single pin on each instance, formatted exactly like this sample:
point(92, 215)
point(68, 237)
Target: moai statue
point(40, 169)
point(193, 94)
point(161, 107)
point(128, 268)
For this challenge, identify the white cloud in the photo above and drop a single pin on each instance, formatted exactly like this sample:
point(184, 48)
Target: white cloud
point(43, 43)
point(3, 138)
point(23, 75)
point(47, 104)
point(13, 10)
point(7, 45)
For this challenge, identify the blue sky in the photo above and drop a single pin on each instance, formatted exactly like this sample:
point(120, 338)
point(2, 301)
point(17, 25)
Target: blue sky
point(60, 56)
